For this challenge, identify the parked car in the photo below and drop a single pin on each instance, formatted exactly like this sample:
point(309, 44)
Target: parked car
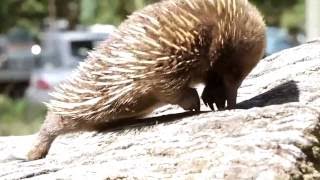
point(61, 53)
point(16, 61)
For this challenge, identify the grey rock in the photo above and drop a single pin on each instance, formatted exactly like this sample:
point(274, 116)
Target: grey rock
point(274, 134)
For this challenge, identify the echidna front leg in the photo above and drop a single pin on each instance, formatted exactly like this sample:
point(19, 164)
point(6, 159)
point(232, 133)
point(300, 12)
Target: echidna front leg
point(214, 91)
point(51, 128)
point(214, 94)
point(219, 89)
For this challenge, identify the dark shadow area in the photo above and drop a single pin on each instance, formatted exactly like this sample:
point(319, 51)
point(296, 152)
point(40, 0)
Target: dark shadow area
point(139, 123)
point(284, 93)
point(313, 41)
point(312, 155)
point(14, 90)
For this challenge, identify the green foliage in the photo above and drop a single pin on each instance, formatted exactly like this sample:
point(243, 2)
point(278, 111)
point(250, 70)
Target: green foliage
point(109, 11)
point(27, 13)
point(4, 15)
point(282, 12)
point(31, 13)
point(294, 17)
point(17, 117)
point(277, 12)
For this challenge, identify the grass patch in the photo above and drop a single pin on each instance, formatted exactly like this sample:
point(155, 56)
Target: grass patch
point(17, 117)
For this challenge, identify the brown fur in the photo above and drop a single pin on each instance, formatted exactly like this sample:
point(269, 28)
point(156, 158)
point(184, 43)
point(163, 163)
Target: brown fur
point(153, 59)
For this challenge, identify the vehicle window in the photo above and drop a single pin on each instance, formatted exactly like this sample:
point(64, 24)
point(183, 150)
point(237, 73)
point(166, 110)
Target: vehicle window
point(49, 59)
point(18, 35)
point(79, 49)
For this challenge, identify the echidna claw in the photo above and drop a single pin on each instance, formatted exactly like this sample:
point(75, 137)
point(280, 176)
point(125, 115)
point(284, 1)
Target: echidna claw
point(211, 106)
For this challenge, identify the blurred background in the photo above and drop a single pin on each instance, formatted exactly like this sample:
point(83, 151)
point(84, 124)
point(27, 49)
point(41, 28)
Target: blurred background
point(42, 41)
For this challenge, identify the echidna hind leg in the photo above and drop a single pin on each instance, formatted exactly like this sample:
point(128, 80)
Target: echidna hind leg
point(51, 128)
point(188, 99)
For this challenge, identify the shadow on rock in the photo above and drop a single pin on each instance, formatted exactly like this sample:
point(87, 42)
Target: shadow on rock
point(143, 122)
point(284, 93)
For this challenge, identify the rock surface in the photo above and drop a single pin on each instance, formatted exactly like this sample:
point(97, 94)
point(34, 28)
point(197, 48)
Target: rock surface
point(274, 134)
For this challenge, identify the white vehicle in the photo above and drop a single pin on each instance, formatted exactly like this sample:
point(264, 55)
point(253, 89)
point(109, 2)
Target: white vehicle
point(61, 53)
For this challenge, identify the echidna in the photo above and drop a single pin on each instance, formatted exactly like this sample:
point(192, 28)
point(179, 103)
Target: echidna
point(152, 59)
